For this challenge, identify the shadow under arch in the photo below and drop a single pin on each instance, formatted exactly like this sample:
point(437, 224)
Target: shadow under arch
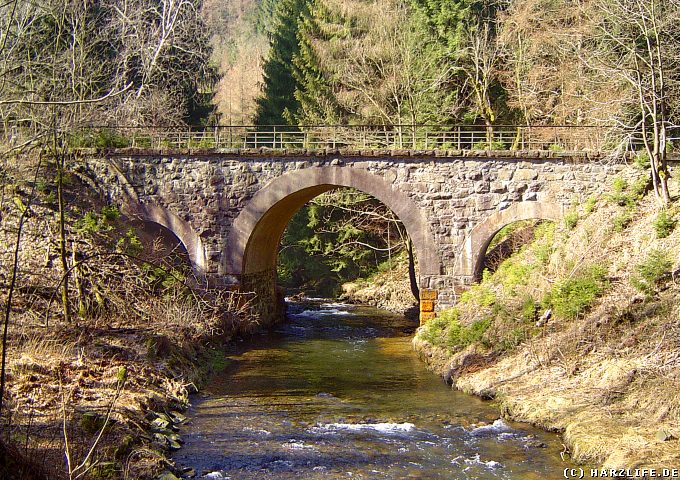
point(180, 228)
point(471, 260)
point(252, 246)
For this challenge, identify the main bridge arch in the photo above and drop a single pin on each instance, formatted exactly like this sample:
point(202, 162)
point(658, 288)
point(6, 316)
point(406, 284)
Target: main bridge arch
point(252, 247)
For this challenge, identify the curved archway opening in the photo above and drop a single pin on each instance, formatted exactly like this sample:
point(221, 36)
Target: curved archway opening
point(257, 232)
point(175, 231)
point(472, 260)
point(507, 241)
point(345, 235)
point(164, 247)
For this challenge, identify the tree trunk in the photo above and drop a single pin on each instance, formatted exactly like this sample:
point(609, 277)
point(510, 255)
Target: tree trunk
point(413, 280)
point(61, 157)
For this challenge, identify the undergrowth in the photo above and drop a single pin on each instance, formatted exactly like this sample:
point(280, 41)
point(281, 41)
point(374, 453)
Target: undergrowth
point(549, 277)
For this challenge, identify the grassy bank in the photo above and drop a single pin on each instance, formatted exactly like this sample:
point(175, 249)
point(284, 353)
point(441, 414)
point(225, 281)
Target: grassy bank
point(579, 331)
point(99, 395)
point(387, 288)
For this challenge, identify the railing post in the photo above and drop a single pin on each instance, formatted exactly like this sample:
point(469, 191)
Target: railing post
point(459, 142)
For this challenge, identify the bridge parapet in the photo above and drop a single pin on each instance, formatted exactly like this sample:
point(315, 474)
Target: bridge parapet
point(355, 137)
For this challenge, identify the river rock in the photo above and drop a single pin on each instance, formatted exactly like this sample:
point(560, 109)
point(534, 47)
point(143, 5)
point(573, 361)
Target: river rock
point(664, 436)
point(167, 476)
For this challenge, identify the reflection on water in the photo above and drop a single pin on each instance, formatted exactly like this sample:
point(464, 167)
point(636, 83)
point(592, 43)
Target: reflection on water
point(338, 393)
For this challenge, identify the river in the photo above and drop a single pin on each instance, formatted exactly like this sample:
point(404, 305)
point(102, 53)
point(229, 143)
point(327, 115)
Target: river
point(337, 392)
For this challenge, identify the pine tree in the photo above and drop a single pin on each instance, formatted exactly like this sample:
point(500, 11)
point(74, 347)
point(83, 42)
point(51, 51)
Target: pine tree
point(447, 19)
point(314, 89)
point(278, 99)
point(368, 63)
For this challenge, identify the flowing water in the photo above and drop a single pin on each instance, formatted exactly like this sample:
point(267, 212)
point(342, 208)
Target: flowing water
point(337, 392)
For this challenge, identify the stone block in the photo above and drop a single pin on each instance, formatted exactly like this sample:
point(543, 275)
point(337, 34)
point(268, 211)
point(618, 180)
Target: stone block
point(524, 175)
point(427, 305)
point(426, 317)
point(428, 294)
point(498, 187)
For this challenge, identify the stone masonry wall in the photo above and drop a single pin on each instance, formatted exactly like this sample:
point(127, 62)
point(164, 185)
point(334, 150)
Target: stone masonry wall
point(208, 190)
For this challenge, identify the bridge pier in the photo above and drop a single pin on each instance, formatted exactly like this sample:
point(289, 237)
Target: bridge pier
point(268, 300)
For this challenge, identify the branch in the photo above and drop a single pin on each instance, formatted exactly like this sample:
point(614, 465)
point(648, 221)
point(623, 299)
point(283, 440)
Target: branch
point(111, 94)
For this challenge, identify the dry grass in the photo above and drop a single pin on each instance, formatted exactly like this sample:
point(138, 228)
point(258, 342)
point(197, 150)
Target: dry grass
point(137, 315)
point(609, 378)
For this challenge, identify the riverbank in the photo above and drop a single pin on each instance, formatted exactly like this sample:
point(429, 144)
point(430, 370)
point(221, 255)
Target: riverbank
point(388, 288)
point(579, 332)
point(100, 394)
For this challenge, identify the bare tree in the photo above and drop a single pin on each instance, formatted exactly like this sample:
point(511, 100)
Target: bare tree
point(479, 63)
point(637, 42)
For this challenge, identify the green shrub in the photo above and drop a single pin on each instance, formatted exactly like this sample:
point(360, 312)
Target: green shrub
point(103, 138)
point(589, 206)
point(110, 213)
point(460, 336)
point(618, 194)
point(109, 139)
point(649, 273)
point(130, 243)
point(572, 296)
point(512, 338)
point(642, 161)
point(664, 223)
point(570, 220)
point(529, 309)
point(479, 295)
point(640, 187)
point(543, 246)
point(513, 271)
point(90, 223)
point(162, 278)
point(433, 331)
point(622, 220)
point(202, 142)
point(555, 147)
point(446, 331)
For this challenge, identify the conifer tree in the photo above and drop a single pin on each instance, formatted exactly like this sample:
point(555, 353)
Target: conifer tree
point(314, 89)
point(278, 99)
point(369, 63)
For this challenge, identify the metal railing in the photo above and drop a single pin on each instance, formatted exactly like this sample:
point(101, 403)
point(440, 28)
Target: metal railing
point(359, 137)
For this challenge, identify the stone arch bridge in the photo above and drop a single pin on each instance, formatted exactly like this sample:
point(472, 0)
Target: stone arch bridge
point(230, 209)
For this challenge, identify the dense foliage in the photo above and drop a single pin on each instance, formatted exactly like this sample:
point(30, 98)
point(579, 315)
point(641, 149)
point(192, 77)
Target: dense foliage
point(337, 237)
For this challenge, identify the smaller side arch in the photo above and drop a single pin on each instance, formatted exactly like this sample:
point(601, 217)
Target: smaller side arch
point(110, 178)
point(474, 248)
point(182, 230)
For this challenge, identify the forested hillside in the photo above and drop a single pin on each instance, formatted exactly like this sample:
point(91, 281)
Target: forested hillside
point(471, 61)
point(69, 64)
